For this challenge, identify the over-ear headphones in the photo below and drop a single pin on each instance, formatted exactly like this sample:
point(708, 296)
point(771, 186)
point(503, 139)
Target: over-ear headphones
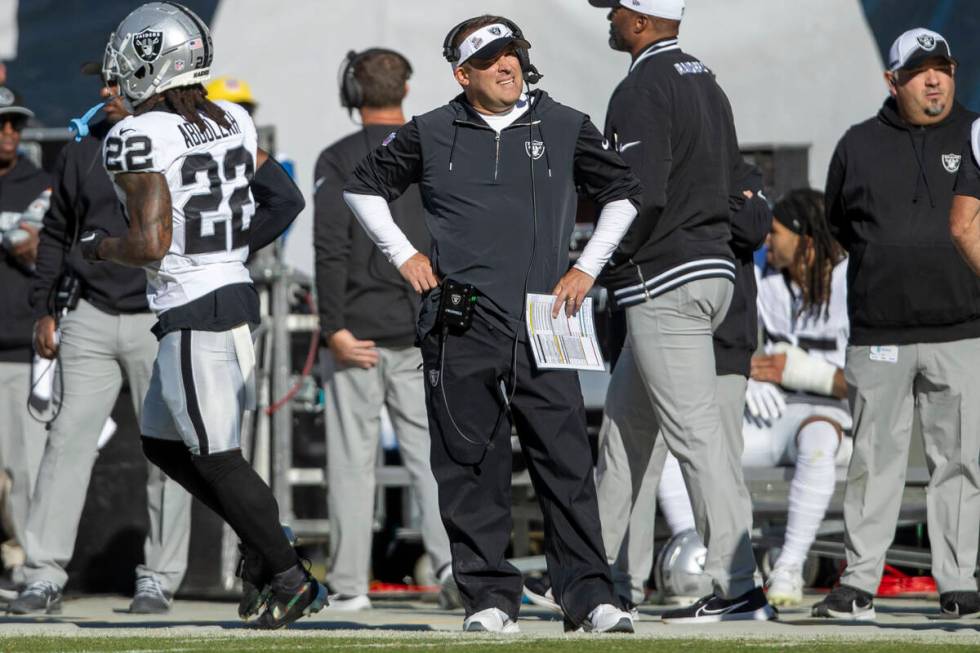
point(351, 93)
point(451, 52)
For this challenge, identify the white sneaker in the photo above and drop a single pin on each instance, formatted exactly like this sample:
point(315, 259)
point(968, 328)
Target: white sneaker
point(348, 602)
point(491, 620)
point(785, 587)
point(607, 618)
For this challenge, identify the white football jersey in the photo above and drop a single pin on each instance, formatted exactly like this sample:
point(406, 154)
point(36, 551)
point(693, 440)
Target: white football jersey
point(208, 173)
point(779, 312)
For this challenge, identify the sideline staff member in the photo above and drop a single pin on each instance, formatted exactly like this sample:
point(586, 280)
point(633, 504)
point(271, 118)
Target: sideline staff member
point(914, 308)
point(498, 172)
point(367, 318)
point(673, 276)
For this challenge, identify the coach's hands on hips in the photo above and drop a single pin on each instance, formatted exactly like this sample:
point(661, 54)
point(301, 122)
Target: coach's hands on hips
point(570, 292)
point(45, 340)
point(418, 272)
point(89, 241)
point(348, 351)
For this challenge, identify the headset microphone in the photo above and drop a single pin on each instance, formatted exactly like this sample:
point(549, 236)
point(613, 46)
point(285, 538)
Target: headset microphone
point(80, 125)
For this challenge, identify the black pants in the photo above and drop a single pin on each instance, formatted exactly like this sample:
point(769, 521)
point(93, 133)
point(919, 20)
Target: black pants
point(474, 479)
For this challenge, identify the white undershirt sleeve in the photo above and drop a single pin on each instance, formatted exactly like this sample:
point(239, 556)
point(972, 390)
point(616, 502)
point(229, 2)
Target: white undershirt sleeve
point(615, 218)
point(374, 215)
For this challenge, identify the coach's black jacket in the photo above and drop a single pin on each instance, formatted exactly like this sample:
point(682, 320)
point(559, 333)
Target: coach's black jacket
point(674, 126)
point(889, 191)
point(485, 212)
point(737, 337)
point(23, 184)
point(357, 288)
point(83, 198)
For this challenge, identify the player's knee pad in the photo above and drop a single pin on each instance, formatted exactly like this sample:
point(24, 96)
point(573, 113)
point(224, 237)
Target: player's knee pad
point(818, 441)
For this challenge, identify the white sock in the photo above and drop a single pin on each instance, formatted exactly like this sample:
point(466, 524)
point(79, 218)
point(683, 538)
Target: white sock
point(810, 491)
point(673, 498)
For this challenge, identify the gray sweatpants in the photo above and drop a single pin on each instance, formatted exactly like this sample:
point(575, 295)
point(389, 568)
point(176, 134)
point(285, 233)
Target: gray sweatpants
point(21, 443)
point(632, 563)
point(97, 349)
point(670, 345)
point(354, 398)
point(942, 379)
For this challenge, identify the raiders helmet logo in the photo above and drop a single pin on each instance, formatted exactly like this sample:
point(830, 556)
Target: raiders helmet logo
point(495, 30)
point(951, 162)
point(433, 378)
point(455, 299)
point(476, 42)
point(148, 44)
point(534, 149)
point(926, 41)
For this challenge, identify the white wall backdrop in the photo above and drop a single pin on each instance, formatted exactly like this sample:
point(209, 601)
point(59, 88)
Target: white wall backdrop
point(797, 71)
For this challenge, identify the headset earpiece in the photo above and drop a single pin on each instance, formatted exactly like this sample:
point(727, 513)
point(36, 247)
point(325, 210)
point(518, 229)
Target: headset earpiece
point(351, 93)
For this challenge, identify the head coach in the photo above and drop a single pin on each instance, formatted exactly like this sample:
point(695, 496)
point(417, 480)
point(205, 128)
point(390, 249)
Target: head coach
point(673, 277)
point(498, 171)
point(914, 309)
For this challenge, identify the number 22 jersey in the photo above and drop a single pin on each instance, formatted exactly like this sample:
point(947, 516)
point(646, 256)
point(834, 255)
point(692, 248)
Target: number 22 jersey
point(208, 172)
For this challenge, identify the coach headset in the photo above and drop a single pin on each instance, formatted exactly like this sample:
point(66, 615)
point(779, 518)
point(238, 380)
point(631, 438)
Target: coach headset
point(452, 54)
point(531, 76)
point(351, 93)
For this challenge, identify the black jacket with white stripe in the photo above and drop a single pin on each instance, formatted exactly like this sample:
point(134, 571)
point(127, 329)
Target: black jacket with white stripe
point(672, 123)
point(500, 207)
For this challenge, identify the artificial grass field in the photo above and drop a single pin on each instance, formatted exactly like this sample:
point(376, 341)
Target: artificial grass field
point(468, 644)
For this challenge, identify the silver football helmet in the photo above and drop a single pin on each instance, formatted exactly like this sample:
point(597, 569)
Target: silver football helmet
point(160, 45)
point(679, 569)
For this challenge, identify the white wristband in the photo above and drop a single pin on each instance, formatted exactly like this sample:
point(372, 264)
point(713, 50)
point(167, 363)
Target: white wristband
point(805, 372)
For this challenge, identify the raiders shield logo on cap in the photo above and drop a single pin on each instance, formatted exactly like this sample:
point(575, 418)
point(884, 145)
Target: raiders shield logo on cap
point(927, 41)
point(148, 44)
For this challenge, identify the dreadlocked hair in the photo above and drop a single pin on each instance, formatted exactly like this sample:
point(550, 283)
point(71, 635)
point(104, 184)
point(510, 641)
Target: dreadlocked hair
point(190, 103)
point(805, 207)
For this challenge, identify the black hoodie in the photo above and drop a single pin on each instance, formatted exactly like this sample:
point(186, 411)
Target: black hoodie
point(492, 223)
point(83, 198)
point(18, 188)
point(889, 191)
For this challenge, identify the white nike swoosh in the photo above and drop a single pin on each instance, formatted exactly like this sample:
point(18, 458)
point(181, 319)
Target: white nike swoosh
point(724, 610)
point(87, 238)
point(626, 146)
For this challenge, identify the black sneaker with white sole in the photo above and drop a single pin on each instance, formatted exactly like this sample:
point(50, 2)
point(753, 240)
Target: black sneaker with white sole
point(959, 604)
point(846, 602)
point(751, 606)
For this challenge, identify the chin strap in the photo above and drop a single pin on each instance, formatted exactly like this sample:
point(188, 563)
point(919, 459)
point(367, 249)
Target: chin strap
point(80, 125)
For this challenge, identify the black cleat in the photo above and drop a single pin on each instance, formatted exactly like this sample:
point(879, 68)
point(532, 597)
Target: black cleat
point(959, 604)
point(255, 578)
point(846, 602)
point(751, 606)
point(293, 593)
point(39, 596)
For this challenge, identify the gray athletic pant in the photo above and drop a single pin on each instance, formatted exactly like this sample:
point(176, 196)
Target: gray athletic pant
point(96, 350)
point(354, 398)
point(669, 341)
point(632, 563)
point(21, 444)
point(943, 380)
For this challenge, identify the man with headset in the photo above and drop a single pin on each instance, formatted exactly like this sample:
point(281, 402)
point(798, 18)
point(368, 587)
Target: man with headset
point(498, 171)
point(367, 319)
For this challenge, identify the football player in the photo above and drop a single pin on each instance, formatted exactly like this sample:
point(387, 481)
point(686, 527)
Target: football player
point(199, 196)
point(796, 411)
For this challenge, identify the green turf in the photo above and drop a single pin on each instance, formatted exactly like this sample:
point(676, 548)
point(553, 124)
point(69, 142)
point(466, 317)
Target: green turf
point(604, 644)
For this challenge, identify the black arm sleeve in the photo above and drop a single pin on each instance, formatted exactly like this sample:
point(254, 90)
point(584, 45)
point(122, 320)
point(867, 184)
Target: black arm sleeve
point(968, 178)
point(646, 148)
point(57, 235)
point(331, 242)
point(751, 217)
point(278, 203)
point(834, 197)
point(391, 167)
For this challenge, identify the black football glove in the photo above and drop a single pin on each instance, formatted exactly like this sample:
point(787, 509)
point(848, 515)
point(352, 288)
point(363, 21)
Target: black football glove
point(89, 243)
